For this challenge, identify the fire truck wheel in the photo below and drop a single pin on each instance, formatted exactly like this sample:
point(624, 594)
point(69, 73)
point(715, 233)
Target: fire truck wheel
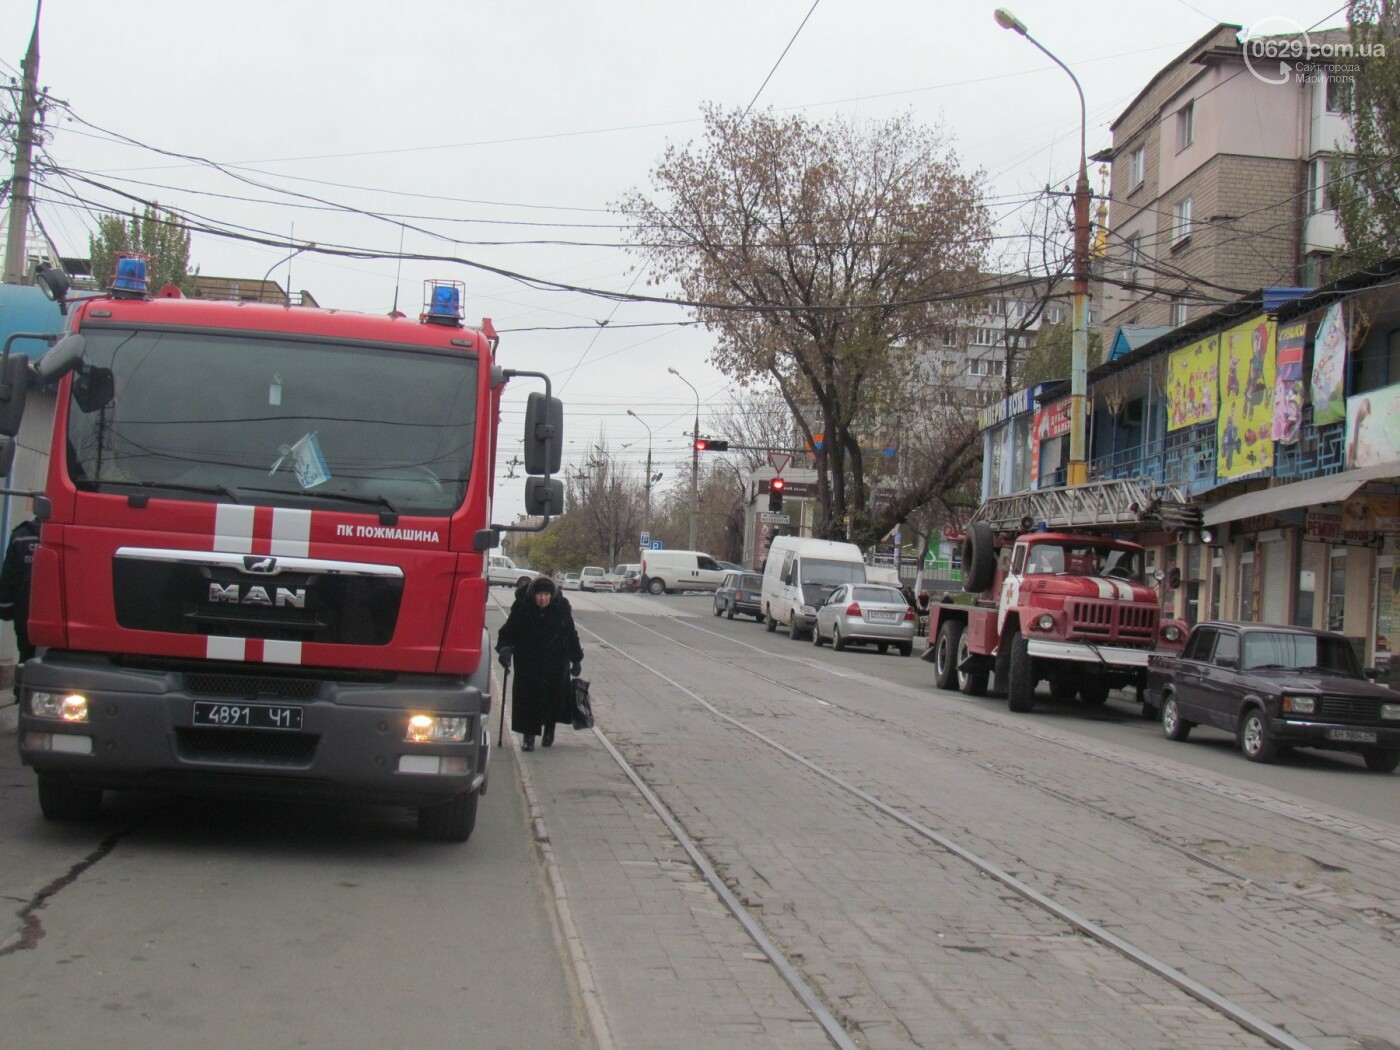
point(60, 800)
point(1174, 727)
point(979, 557)
point(1062, 688)
point(970, 683)
point(450, 821)
point(1020, 688)
point(1094, 694)
point(945, 651)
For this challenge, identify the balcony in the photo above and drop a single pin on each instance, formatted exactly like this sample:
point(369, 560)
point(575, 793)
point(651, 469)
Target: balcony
point(1185, 457)
point(1320, 451)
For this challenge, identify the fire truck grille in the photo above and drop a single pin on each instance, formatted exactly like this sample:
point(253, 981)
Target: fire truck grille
point(1113, 621)
point(246, 746)
point(252, 686)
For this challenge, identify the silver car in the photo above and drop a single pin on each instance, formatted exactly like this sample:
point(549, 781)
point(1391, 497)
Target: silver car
point(866, 614)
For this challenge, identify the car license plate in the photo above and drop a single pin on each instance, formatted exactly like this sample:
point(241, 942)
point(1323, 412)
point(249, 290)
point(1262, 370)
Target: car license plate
point(246, 716)
point(1352, 736)
point(883, 617)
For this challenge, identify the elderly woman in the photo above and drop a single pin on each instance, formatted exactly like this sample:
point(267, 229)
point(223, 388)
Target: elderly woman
point(540, 631)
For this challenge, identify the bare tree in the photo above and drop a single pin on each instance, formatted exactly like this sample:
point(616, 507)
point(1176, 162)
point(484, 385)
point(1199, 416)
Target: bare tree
point(819, 255)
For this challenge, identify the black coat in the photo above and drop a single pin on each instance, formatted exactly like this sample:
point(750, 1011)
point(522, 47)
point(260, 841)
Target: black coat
point(544, 641)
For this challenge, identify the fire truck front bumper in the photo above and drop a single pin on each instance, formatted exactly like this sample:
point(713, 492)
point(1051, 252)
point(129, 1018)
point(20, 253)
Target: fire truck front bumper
point(1079, 652)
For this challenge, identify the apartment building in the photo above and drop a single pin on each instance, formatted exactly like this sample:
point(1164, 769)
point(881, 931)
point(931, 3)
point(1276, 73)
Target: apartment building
point(1221, 182)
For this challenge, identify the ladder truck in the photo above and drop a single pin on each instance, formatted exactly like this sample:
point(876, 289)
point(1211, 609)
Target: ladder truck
point(1061, 596)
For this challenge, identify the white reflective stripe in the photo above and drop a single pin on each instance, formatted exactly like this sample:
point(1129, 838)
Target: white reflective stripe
point(281, 652)
point(1121, 590)
point(1112, 655)
point(1105, 587)
point(222, 648)
point(291, 533)
point(233, 528)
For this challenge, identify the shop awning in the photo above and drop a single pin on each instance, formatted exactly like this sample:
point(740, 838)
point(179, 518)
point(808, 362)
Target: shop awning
point(1330, 489)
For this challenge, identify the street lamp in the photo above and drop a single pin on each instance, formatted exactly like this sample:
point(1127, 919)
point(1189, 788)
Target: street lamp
point(646, 489)
point(694, 456)
point(1078, 473)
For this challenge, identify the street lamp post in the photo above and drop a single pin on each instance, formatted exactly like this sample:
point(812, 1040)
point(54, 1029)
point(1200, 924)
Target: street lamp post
point(646, 489)
point(1078, 473)
point(694, 456)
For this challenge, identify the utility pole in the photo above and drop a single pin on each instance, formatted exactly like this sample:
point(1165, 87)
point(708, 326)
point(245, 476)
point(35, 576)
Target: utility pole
point(16, 243)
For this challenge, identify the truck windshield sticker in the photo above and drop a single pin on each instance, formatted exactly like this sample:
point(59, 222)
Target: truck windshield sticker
point(308, 461)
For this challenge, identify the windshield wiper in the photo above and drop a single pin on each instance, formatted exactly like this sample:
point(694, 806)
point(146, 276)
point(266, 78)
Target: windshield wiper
point(1319, 669)
point(1269, 667)
point(179, 486)
point(343, 497)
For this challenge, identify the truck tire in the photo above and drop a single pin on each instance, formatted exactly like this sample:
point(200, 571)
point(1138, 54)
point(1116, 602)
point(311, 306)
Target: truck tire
point(794, 631)
point(1093, 694)
point(979, 557)
point(945, 654)
point(60, 800)
point(1381, 759)
point(970, 683)
point(450, 821)
point(1020, 685)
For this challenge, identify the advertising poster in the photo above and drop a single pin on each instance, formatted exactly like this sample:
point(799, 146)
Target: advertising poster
point(1373, 427)
point(1330, 369)
point(1193, 386)
point(1288, 383)
point(1365, 513)
point(1244, 427)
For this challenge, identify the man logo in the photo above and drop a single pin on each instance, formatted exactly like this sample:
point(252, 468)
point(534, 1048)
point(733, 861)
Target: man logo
point(259, 566)
point(280, 598)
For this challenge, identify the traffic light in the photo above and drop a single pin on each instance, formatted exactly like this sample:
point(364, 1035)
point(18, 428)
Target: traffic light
point(711, 445)
point(775, 493)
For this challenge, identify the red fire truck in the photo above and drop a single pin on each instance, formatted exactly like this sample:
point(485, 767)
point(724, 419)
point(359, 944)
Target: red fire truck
point(264, 534)
point(1062, 597)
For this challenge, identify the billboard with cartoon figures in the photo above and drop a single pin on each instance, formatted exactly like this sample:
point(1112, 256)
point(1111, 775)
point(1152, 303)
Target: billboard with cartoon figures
point(1193, 386)
point(1288, 383)
point(1329, 369)
point(1244, 427)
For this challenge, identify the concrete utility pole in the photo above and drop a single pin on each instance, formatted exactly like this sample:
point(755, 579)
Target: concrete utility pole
point(1078, 472)
point(20, 201)
point(646, 506)
point(694, 456)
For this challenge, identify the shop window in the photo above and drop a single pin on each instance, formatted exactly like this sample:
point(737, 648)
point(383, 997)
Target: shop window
point(1337, 589)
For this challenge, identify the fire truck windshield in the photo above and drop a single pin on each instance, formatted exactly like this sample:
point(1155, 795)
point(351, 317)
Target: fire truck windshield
point(273, 420)
point(1078, 559)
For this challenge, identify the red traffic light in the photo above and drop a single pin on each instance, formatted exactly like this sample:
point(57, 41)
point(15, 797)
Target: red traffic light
point(777, 485)
point(711, 445)
point(701, 444)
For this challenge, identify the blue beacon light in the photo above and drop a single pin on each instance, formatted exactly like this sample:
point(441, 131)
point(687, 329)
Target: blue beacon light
point(131, 276)
point(444, 303)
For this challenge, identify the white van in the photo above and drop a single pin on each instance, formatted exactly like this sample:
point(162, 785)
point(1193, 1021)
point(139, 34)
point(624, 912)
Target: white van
point(667, 571)
point(594, 578)
point(501, 571)
point(799, 576)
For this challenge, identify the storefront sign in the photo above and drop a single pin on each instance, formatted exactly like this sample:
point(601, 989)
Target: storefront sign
point(1324, 525)
point(1329, 368)
point(1244, 428)
point(1193, 384)
point(1288, 383)
point(1018, 404)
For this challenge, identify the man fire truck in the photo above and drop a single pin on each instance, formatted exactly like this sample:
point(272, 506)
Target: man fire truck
point(1062, 598)
point(261, 567)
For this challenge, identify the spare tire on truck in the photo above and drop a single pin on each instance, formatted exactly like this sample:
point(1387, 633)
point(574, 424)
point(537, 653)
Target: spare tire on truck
point(979, 557)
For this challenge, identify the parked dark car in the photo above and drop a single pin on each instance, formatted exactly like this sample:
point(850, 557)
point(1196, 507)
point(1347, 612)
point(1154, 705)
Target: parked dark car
point(1273, 688)
point(740, 592)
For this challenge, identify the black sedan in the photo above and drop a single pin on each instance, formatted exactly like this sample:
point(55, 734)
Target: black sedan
point(1276, 687)
point(740, 592)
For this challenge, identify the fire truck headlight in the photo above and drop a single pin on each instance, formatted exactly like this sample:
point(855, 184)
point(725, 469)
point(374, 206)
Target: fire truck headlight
point(1171, 632)
point(1046, 622)
point(437, 729)
point(70, 708)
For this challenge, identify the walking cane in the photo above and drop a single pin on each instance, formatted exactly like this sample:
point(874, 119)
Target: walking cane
point(501, 733)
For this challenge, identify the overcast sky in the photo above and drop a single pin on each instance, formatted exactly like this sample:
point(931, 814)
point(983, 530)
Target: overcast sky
point(523, 121)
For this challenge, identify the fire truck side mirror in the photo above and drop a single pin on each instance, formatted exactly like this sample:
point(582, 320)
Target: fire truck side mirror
point(544, 496)
point(544, 435)
point(14, 391)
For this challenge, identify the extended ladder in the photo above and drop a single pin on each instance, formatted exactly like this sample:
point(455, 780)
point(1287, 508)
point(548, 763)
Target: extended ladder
point(1108, 505)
